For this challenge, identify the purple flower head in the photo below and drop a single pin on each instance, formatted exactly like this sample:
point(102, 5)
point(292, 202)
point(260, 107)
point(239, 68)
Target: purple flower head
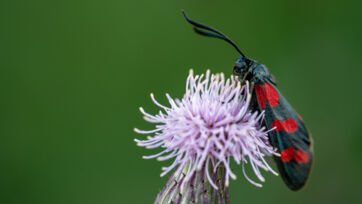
point(211, 124)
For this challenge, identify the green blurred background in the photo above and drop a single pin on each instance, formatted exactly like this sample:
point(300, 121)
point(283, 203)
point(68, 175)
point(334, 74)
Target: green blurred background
point(73, 74)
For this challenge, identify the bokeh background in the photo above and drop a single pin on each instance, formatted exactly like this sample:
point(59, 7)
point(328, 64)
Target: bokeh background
point(73, 74)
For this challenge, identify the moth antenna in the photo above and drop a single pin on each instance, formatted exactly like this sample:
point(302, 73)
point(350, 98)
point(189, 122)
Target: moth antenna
point(214, 33)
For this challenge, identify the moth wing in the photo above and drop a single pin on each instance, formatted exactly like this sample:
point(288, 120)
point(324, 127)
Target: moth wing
point(290, 135)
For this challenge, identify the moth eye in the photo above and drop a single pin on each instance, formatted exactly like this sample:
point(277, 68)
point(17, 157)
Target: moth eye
point(237, 70)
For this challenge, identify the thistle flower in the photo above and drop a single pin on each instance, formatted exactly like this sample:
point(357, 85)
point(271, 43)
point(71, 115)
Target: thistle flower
point(211, 124)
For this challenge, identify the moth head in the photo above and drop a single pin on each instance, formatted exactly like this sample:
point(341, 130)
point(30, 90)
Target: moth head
point(241, 66)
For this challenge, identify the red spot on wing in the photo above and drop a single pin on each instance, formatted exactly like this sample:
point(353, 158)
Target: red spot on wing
point(272, 95)
point(289, 125)
point(287, 155)
point(278, 124)
point(301, 157)
point(260, 94)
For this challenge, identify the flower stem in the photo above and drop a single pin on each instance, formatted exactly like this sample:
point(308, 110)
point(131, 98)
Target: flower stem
point(197, 189)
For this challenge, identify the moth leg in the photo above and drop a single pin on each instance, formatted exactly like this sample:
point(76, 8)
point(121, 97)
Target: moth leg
point(251, 88)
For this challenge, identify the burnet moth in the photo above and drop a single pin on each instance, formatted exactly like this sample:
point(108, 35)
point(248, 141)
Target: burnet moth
point(290, 136)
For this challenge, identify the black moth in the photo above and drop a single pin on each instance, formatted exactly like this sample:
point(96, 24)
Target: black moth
point(290, 136)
